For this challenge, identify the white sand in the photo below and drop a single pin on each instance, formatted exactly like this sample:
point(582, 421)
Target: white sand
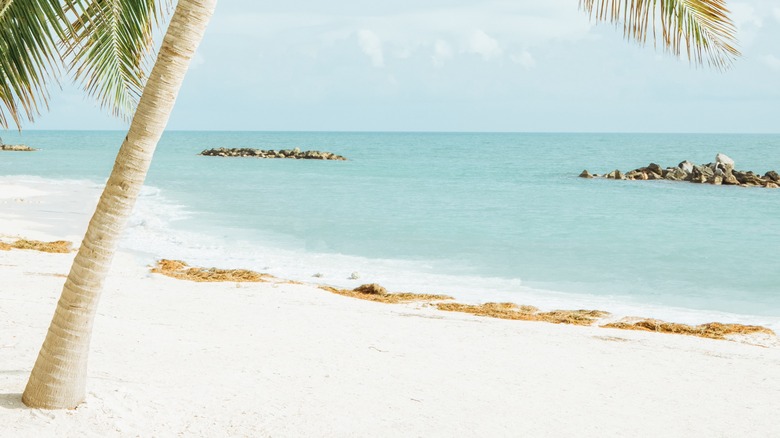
point(173, 358)
point(18, 192)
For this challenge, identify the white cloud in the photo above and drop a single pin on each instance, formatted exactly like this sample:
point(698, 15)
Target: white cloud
point(749, 22)
point(777, 14)
point(745, 15)
point(532, 22)
point(484, 45)
point(405, 27)
point(524, 59)
point(772, 61)
point(371, 45)
point(442, 51)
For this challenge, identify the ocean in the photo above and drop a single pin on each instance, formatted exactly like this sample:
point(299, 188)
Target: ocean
point(481, 216)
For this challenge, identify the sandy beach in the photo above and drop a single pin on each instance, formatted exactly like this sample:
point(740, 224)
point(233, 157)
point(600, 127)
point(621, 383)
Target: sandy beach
point(372, 219)
point(177, 358)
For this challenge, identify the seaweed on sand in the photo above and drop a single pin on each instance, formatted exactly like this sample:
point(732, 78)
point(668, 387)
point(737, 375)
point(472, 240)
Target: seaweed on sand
point(525, 313)
point(712, 330)
point(376, 293)
point(181, 271)
point(58, 247)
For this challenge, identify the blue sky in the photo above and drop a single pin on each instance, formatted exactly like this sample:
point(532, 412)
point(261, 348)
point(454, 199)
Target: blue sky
point(455, 65)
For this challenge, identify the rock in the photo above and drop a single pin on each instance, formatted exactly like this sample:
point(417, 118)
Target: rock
point(706, 171)
point(318, 275)
point(721, 172)
point(676, 174)
point(585, 174)
point(715, 180)
point(354, 276)
point(686, 166)
point(749, 178)
point(295, 154)
point(729, 178)
point(724, 160)
point(701, 174)
point(634, 174)
point(16, 148)
point(371, 289)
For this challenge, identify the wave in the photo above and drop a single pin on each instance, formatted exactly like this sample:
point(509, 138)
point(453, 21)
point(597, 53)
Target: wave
point(162, 228)
point(156, 233)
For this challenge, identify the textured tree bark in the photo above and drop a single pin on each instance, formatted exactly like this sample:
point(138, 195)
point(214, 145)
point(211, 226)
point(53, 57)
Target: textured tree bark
point(58, 379)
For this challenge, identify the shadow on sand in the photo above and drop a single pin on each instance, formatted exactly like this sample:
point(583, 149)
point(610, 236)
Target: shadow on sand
point(12, 401)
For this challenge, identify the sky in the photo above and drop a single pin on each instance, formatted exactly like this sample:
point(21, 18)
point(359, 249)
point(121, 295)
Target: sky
point(453, 65)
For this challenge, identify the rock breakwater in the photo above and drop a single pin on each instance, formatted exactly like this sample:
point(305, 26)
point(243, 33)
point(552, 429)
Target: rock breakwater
point(295, 154)
point(721, 172)
point(16, 148)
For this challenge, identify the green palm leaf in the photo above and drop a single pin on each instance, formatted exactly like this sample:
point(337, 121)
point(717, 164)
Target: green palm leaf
point(702, 28)
point(109, 48)
point(29, 56)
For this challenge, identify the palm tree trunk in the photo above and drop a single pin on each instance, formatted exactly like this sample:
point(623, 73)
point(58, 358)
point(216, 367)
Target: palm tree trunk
point(58, 378)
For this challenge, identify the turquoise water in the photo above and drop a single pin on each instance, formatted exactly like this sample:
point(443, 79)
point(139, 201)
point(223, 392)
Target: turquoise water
point(502, 213)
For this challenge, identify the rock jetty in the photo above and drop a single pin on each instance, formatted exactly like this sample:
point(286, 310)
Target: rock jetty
point(721, 172)
point(295, 154)
point(16, 148)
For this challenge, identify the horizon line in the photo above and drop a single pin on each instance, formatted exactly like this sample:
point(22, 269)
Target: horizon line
point(21, 132)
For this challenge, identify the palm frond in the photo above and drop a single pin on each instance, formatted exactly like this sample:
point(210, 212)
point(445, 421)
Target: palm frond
point(109, 48)
point(703, 28)
point(29, 56)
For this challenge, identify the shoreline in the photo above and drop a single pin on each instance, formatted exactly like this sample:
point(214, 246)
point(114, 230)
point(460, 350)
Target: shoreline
point(175, 357)
point(747, 334)
point(171, 357)
point(65, 217)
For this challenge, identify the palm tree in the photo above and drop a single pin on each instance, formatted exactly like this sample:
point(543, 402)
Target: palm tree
point(106, 42)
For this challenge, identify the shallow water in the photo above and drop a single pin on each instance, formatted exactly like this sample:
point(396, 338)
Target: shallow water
point(484, 216)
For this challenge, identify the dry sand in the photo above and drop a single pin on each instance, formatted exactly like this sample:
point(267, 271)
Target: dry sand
point(177, 358)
